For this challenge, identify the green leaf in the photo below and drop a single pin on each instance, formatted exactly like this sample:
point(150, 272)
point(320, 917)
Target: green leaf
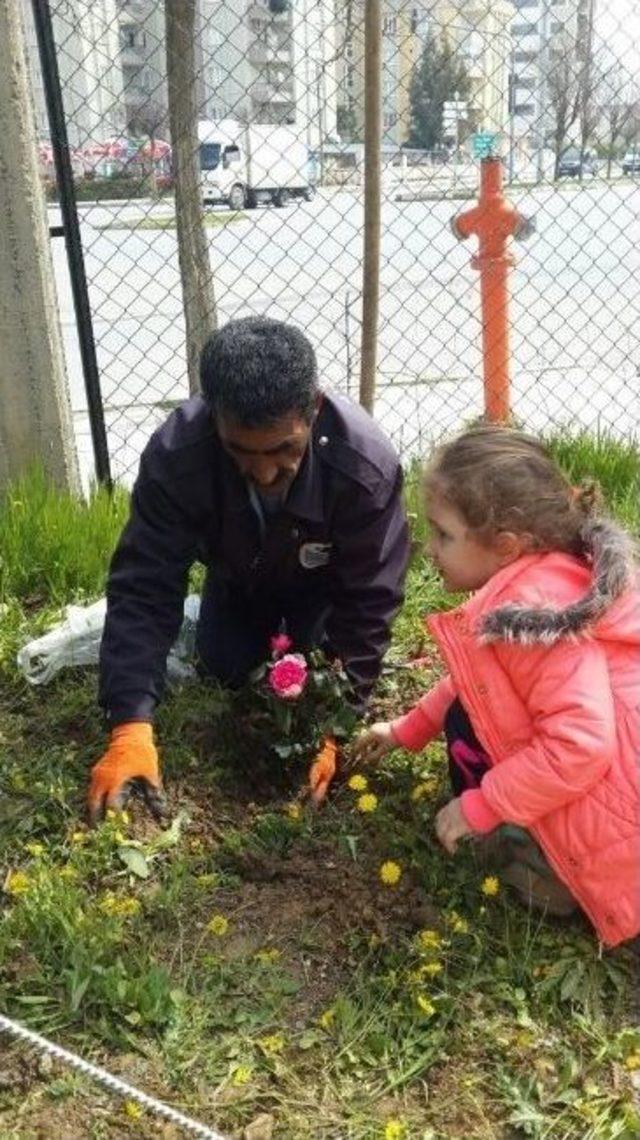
point(170, 837)
point(134, 861)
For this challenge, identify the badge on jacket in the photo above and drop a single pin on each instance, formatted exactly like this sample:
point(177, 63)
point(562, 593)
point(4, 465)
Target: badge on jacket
point(313, 555)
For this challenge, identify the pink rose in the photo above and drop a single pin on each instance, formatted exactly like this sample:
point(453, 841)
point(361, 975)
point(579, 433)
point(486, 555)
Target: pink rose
point(281, 643)
point(288, 676)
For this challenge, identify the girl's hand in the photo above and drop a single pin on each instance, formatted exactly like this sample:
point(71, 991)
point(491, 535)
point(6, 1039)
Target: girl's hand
point(374, 743)
point(451, 825)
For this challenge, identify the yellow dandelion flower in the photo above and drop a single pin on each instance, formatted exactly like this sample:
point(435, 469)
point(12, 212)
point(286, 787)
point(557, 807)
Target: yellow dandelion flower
point(268, 955)
point(429, 940)
point(17, 883)
point(272, 1044)
point(432, 969)
point(196, 844)
point(490, 886)
point(424, 789)
point(632, 1062)
point(78, 838)
point(457, 923)
point(109, 903)
point(395, 1130)
point(294, 811)
point(327, 1018)
point(374, 940)
point(242, 1074)
point(133, 1109)
point(367, 803)
point(425, 1005)
point(390, 873)
point(218, 925)
point(358, 783)
point(68, 873)
point(128, 906)
point(208, 880)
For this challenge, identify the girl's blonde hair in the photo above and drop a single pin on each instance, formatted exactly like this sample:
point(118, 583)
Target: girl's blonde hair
point(500, 479)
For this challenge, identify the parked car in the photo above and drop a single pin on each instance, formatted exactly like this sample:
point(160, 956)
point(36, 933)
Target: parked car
point(631, 162)
point(571, 162)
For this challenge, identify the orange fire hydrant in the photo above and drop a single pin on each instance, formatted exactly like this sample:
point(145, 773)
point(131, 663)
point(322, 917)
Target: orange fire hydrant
point(494, 220)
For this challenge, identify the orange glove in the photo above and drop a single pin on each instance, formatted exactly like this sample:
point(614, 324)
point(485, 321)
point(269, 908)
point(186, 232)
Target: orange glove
point(130, 762)
point(323, 770)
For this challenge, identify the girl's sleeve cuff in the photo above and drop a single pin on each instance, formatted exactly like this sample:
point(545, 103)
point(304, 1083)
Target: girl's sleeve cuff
point(412, 731)
point(478, 811)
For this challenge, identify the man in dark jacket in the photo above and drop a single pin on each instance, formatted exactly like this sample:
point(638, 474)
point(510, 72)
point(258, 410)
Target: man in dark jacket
point(292, 500)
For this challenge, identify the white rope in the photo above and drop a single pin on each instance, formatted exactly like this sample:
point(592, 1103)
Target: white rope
point(14, 1029)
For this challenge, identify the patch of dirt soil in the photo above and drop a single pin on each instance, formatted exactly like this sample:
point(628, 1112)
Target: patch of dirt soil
point(308, 904)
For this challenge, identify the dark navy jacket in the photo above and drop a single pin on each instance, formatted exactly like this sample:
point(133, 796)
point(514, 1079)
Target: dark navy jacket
point(341, 537)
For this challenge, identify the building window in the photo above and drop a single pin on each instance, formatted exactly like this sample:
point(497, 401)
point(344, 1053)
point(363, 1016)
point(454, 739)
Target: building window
point(525, 56)
point(389, 26)
point(524, 83)
point(524, 108)
point(350, 77)
point(525, 4)
point(348, 49)
point(389, 119)
point(524, 29)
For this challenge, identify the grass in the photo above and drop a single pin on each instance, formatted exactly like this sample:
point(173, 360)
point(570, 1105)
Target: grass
point(247, 960)
point(211, 219)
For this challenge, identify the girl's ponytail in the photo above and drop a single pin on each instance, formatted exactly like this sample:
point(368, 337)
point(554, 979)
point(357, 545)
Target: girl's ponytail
point(588, 498)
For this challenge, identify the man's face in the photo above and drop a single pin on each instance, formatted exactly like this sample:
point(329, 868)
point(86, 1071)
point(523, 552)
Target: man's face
point(269, 457)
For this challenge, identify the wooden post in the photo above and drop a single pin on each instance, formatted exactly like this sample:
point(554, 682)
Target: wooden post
point(372, 185)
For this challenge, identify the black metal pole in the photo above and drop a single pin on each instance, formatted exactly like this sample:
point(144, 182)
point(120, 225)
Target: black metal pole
point(73, 241)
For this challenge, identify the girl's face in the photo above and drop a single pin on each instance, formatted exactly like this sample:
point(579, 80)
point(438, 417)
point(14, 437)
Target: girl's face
point(462, 561)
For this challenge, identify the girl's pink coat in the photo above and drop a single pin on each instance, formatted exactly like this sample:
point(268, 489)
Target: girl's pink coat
point(561, 724)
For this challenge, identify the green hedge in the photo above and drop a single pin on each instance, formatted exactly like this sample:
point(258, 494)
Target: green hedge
point(102, 189)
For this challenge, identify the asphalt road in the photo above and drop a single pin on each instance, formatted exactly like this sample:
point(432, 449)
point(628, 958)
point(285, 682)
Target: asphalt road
point(574, 314)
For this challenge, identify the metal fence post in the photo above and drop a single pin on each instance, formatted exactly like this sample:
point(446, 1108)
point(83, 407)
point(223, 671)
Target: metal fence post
point(73, 240)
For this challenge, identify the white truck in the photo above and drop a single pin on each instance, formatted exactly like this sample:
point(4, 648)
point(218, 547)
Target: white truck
point(243, 165)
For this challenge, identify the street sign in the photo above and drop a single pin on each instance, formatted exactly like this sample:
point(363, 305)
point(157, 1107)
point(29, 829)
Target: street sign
point(483, 144)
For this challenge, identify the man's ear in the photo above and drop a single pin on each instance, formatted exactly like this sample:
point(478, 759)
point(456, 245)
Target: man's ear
point(317, 404)
point(511, 546)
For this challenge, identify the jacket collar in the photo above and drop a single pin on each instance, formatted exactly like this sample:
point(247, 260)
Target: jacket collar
point(608, 561)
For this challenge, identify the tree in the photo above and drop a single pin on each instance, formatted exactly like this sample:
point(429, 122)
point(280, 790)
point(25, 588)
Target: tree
point(620, 111)
point(198, 297)
point(150, 123)
point(590, 81)
point(440, 77)
point(346, 123)
point(563, 95)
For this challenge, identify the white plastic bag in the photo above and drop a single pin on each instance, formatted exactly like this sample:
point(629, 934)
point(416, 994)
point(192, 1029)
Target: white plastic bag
point(76, 641)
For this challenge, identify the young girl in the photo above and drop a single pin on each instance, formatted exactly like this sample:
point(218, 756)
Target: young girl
point(540, 706)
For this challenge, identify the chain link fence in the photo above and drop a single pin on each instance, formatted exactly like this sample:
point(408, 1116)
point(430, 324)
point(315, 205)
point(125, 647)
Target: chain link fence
point(553, 86)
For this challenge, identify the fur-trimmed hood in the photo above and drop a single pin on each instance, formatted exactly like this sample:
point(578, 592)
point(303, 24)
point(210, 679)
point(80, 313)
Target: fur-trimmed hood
point(611, 555)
